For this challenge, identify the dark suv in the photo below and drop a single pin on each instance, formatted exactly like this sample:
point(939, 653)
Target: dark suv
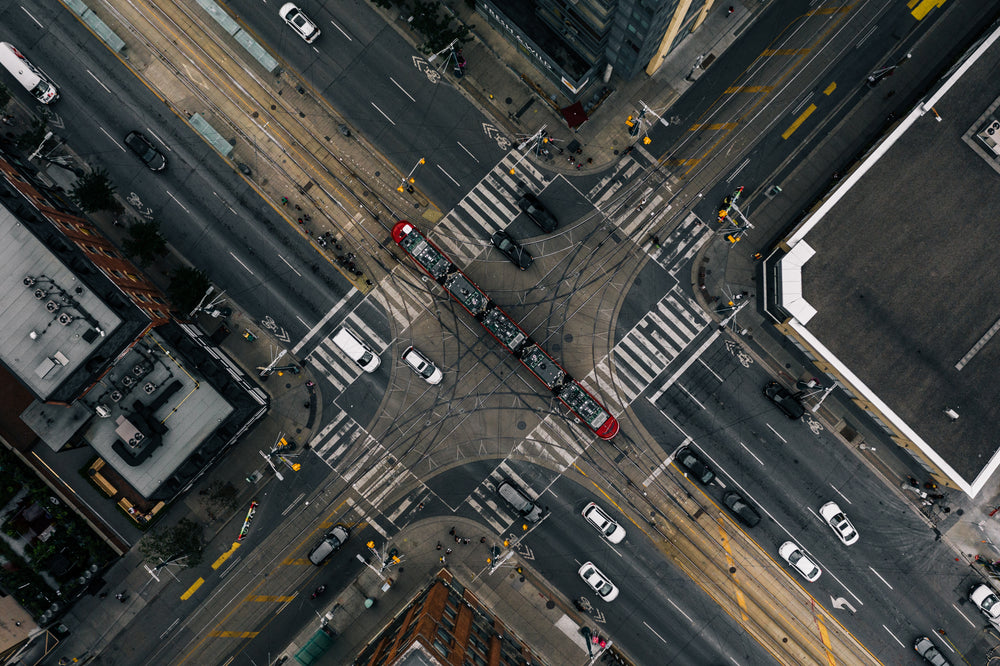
point(741, 508)
point(139, 144)
point(785, 401)
point(695, 466)
point(530, 204)
point(505, 243)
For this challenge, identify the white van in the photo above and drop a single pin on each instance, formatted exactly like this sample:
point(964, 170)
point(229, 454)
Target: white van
point(356, 350)
point(29, 76)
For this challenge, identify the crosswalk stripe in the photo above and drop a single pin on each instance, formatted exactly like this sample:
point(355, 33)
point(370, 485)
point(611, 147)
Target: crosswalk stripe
point(325, 363)
point(373, 338)
point(630, 347)
point(488, 513)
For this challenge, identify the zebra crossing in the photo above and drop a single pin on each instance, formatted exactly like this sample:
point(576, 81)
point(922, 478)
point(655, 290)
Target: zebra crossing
point(490, 206)
point(656, 340)
point(332, 364)
point(402, 299)
point(680, 245)
point(485, 501)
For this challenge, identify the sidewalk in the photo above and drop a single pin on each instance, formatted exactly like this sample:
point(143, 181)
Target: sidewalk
point(522, 602)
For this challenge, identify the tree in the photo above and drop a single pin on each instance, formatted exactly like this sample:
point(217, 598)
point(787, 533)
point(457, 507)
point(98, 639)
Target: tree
point(435, 28)
point(181, 543)
point(144, 242)
point(187, 286)
point(33, 138)
point(94, 192)
point(219, 498)
point(4, 95)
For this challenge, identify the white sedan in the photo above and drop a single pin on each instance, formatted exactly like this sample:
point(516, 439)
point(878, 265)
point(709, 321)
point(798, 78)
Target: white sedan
point(799, 561)
point(422, 366)
point(839, 523)
point(986, 600)
point(598, 582)
point(299, 22)
point(596, 516)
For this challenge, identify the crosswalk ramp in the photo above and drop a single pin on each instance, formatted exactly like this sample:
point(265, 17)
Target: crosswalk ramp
point(333, 365)
point(633, 164)
point(556, 438)
point(681, 244)
point(656, 340)
point(465, 231)
point(485, 501)
point(403, 300)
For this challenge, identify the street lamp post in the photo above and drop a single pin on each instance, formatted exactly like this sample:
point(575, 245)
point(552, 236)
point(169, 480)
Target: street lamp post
point(406, 183)
point(876, 77)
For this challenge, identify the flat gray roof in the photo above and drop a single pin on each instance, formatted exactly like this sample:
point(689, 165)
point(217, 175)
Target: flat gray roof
point(902, 275)
point(52, 322)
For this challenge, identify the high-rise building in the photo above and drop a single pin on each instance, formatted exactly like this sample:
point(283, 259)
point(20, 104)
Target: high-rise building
point(577, 42)
point(446, 624)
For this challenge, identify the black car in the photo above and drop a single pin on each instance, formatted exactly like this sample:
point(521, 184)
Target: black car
point(741, 508)
point(785, 401)
point(530, 204)
point(695, 466)
point(146, 151)
point(502, 241)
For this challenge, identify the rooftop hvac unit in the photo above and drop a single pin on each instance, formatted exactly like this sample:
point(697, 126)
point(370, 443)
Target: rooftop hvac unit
point(64, 319)
point(139, 370)
point(149, 387)
point(127, 380)
point(991, 136)
point(51, 306)
point(117, 395)
point(103, 411)
point(28, 281)
point(41, 294)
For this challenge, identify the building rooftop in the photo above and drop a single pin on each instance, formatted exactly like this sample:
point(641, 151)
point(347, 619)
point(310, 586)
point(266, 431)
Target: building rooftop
point(53, 323)
point(897, 292)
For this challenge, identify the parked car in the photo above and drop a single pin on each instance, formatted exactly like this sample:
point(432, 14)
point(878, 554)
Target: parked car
point(741, 509)
point(796, 557)
point(520, 502)
point(694, 465)
point(596, 516)
point(926, 649)
point(839, 522)
point(139, 144)
point(299, 22)
point(530, 204)
point(422, 365)
point(785, 401)
point(598, 582)
point(986, 600)
point(512, 249)
point(331, 543)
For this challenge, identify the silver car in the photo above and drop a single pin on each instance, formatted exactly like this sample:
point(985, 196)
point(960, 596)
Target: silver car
point(596, 516)
point(796, 557)
point(598, 582)
point(839, 523)
point(422, 365)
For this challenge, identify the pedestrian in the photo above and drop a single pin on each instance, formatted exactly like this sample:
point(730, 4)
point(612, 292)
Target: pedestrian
point(284, 201)
point(452, 531)
point(466, 541)
point(730, 12)
point(579, 166)
point(439, 546)
point(482, 540)
point(590, 160)
point(458, 539)
point(656, 241)
point(306, 218)
point(301, 221)
point(447, 551)
point(421, 505)
point(441, 559)
point(102, 595)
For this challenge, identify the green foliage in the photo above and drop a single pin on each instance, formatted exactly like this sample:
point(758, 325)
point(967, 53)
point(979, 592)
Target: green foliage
point(181, 543)
point(187, 286)
point(94, 192)
point(32, 138)
point(436, 29)
point(144, 242)
point(219, 498)
point(4, 95)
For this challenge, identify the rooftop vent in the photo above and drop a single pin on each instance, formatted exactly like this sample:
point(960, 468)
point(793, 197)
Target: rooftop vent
point(117, 395)
point(64, 319)
point(28, 281)
point(41, 294)
point(149, 387)
point(51, 306)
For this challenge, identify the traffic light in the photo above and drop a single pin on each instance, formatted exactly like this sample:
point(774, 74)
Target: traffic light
point(633, 126)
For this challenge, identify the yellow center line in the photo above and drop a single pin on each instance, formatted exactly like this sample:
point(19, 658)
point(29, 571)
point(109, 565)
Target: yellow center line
point(777, 52)
point(748, 89)
point(798, 121)
point(226, 555)
point(713, 126)
point(830, 88)
point(234, 634)
point(270, 597)
point(925, 7)
point(191, 590)
point(825, 637)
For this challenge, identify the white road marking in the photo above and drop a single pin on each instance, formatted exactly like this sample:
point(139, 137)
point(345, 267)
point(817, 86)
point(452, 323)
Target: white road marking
point(880, 578)
point(836, 490)
point(966, 617)
point(776, 433)
point(382, 112)
point(449, 175)
point(293, 270)
point(669, 601)
point(653, 632)
point(467, 150)
point(751, 453)
point(99, 82)
point(341, 31)
point(714, 374)
point(177, 201)
point(241, 263)
point(694, 399)
point(402, 89)
point(893, 635)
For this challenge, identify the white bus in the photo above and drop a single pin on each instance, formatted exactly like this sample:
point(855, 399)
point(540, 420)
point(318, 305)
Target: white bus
point(29, 76)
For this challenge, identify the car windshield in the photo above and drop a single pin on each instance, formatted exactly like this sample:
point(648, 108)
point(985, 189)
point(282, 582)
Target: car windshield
point(990, 602)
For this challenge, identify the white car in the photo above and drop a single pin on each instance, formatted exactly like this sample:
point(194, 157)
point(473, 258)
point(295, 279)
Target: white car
point(299, 22)
point(598, 582)
point(596, 516)
point(841, 526)
point(422, 366)
point(986, 600)
point(799, 561)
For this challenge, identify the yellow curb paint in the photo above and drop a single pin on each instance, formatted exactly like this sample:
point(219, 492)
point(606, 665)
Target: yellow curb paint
point(740, 597)
point(191, 590)
point(226, 555)
point(830, 88)
point(798, 121)
point(925, 7)
point(825, 637)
